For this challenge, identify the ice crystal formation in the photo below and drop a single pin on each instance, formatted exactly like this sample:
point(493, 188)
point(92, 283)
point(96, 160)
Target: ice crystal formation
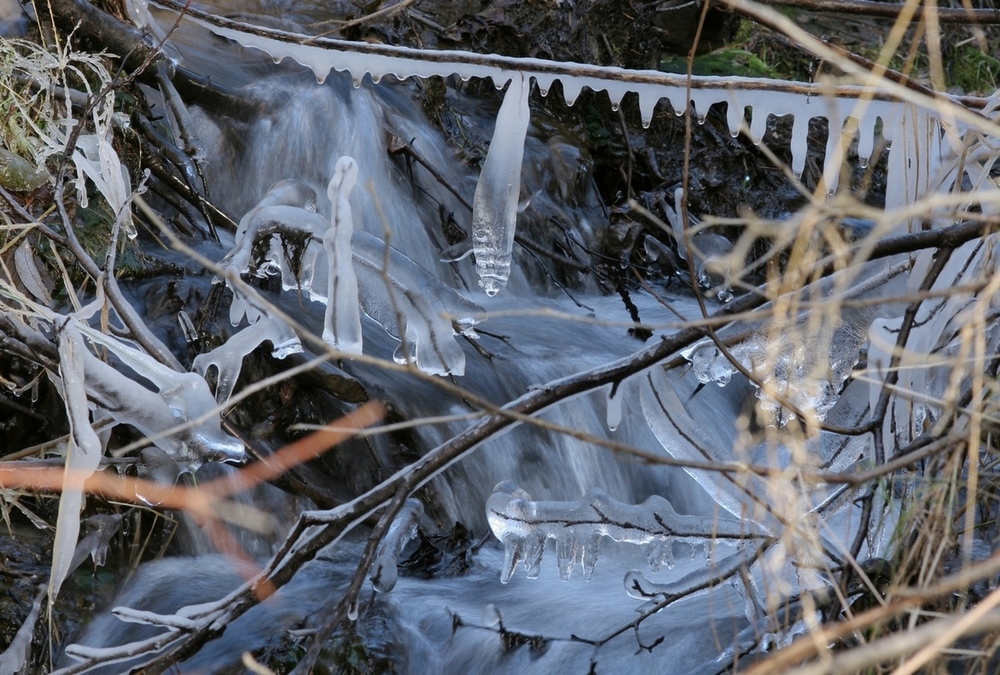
point(577, 527)
point(345, 269)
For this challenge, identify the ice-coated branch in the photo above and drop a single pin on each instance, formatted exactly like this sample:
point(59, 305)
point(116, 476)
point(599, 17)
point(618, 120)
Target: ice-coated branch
point(227, 358)
point(360, 271)
point(383, 573)
point(314, 530)
point(389, 280)
point(342, 323)
point(494, 207)
point(577, 527)
point(83, 455)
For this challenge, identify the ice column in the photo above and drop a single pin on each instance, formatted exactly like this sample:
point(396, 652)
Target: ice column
point(494, 207)
point(342, 326)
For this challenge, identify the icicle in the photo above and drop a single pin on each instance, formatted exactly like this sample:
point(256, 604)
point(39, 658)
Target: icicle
point(342, 324)
point(544, 83)
point(799, 143)
point(523, 526)
point(734, 117)
point(614, 412)
point(494, 207)
point(383, 574)
point(571, 90)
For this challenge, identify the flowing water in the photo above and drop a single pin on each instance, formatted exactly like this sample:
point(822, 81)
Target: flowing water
point(304, 129)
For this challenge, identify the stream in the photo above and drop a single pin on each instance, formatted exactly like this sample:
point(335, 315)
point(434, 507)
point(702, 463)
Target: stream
point(449, 611)
point(413, 628)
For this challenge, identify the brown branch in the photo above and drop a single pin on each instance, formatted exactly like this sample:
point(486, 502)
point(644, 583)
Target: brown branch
point(890, 10)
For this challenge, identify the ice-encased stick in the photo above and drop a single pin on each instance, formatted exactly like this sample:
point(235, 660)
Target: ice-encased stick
point(523, 526)
point(494, 207)
point(428, 308)
point(404, 527)
point(342, 324)
point(82, 458)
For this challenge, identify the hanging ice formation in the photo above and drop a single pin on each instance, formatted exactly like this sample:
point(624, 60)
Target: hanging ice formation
point(383, 574)
point(494, 208)
point(853, 113)
point(430, 311)
point(523, 526)
point(409, 302)
point(227, 358)
point(283, 193)
point(342, 325)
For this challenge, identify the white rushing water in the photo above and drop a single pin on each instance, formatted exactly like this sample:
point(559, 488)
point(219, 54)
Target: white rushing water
point(324, 134)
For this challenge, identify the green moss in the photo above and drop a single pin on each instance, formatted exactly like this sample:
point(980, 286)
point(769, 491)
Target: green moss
point(732, 61)
point(973, 71)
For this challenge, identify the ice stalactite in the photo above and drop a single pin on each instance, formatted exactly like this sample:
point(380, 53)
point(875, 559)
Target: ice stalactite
point(276, 223)
point(523, 526)
point(494, 207)
point(383, 574)
point(227, 358)
point(854, 115)
point(342, 323)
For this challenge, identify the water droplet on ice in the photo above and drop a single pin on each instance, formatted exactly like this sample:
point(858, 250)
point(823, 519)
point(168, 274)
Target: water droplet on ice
point(863, 162)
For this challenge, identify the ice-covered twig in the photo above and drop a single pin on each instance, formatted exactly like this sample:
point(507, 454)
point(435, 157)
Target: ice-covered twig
point(429, 308)
point(342, 322)
point(383, 573)
point(227, 358)
point(640, 587)
point(577, 528)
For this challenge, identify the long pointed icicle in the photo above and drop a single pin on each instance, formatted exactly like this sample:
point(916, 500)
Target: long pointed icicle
point(494, 207)
point(342, 326)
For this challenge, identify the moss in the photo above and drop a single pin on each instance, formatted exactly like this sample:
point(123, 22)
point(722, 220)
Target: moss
point(733, 61)
point(972, 71)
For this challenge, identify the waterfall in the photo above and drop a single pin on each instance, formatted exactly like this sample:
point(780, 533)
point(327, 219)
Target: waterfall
point(530, 335)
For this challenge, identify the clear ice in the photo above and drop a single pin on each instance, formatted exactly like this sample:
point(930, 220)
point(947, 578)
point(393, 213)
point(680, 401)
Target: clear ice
point(404, 527)
point(342, 323)
point(402, 293)
point(429, 309)
point(494, 207)
point(227, 358)
point(523, 526)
